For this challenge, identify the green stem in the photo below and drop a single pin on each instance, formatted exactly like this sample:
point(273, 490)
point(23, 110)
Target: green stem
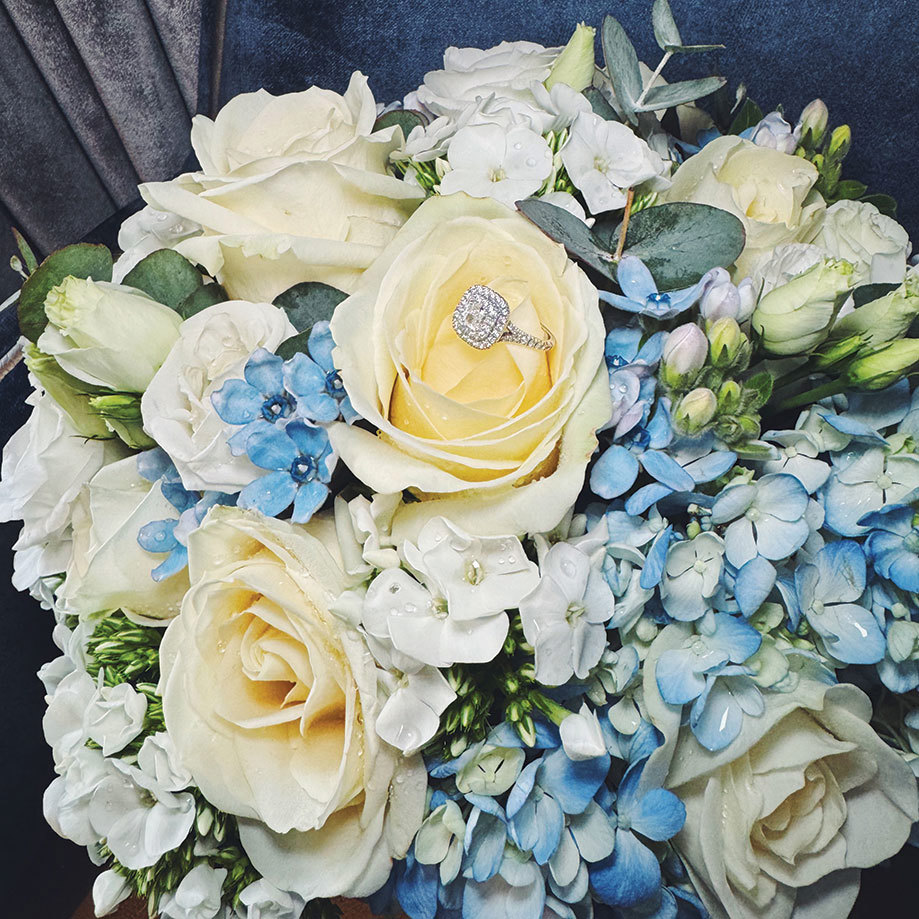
point(812, 395)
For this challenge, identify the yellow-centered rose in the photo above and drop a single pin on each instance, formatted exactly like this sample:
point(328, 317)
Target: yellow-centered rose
point(495, 440)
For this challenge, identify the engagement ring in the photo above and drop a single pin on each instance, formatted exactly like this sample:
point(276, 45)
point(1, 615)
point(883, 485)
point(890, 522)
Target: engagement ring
point(482, 318)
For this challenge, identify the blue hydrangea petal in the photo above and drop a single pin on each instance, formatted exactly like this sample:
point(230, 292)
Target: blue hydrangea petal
point(635, 279)
point(614, 473)
point(538, 827)
point(897, 518)
point(178, 496)
point(620, 302)
point(572, 784)
point(237, 402)
point(416, 890)
point(176, 561)
point(310, 497)
point(657, 814)
point(650, 352)
point(735, 637)
point(271, 494)
point(523, 787)
point(593, 832)
point(882, 408)
point(677, 681)
point(631, 874)
point(777, 539)
point(158, 536)
point(659, 428)
point(272, 449)
point(842, 571)
point(265, 372)
point(318, 406)
point(711, 467)
point(484, 845)
point(732, 502)
point(657, 557)
point(716, 717)
point(754, 582)
point(903, 570)
point(622, 345)
point(321, 344)
point(667, 470)
point(646, 497)
point(852, 427)
point(850, 632)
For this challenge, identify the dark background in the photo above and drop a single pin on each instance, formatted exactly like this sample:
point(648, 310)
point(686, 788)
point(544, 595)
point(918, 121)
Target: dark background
point(97, 95)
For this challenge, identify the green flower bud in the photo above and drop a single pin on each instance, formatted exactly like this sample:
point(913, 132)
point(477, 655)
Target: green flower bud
point(884, 366)
point(884, 319)
point(840, 141)
point(695, 410)
point(813, 123)
point(575, 65)
point(725, 340)
point(729, 396)
point(832, 353)
point(797, 316)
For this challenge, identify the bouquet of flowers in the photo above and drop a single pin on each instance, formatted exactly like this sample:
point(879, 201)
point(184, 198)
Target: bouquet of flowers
point(500, 503)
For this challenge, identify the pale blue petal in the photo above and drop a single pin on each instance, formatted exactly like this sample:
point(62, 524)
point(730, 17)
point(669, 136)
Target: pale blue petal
point(310, 497)
point(667, 470)
point(716, 717)
point(270, 495)
point(753, 583)
point(852, 427)
point(651, 350)
point(631, 874)
point(614, 473)
point(318, 406)
point(176, 561)
point(321, 344)
point(153, 464)
point(882, 408)
point(484, 845)
point(538, 827)
point(272, 449)
point(897, 518)
point(593, 832)
point(646, 496)
point(523, 787)
point(850, 632)
point(158, 536)
point(711, 467)
point(657, 557)
point(239, 442)
point(416, 890)
point(903, 570)
point(620, 302)
point(309, 440)
point(264, 371)
point(677, 682)
point(735, 637)
point(732, 502)
point(303, 376)
point(236, 402)
point(657, 814)
point(635, 279)
point(572, 784)
point(842, 572)
point(778, 539)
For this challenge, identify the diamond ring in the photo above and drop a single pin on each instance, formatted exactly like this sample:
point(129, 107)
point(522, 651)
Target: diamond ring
point(482, 319)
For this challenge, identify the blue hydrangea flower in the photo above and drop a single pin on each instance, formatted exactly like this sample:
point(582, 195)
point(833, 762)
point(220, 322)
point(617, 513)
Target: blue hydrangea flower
point(632, 873)
point(640, 294)
point(899, 614)
point(798, 452)
point(893, 545)
point(692, 575)
point(300, 461)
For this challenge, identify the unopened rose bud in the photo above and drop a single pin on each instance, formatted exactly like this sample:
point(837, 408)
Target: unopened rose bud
point(695, 410)
point(812, 123)
point(797, 316)
point(725, 340)
point(883, 367)
point(835, 352)
point(840, 141)
point(684, 353)
point(575, 65)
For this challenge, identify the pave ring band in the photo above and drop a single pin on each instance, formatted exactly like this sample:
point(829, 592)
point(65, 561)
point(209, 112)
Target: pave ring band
point(482, 319)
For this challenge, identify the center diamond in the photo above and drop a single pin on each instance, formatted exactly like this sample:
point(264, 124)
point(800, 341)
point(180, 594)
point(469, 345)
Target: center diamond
point(480, 317)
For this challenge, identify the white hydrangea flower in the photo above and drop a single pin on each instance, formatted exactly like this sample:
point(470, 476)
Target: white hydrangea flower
point(140, 820)
point(158, 758)
point(603, 158)
point(197, 896)
point(115, 716)
point(488, 161)
point(262, 900)
point(109, 889)
point(68, 799)
point(411, 715)
point(564, 618)
point(582, 736)
point(63, 722)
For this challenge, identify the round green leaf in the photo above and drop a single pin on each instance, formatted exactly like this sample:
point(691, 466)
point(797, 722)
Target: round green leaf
point(308, 303)
point(166, 276)
point(200, 299)
point(82, 260)
point(298, 344)
point(405, 118)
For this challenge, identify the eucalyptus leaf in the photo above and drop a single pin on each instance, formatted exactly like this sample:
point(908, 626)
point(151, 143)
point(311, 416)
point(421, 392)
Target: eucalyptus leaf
point(571, 232)
point(665, 28)
point(868, 293)
point(81, 260)
point(671, 94)
point(748, 115)
point(884, 203)
point(297, 344)
point(692, 49)
point(600, 105)
point(679, 242)
point(166, 276)
point(200, 299)
point(622, 65)
point(308, 303)
point(25, 250)
point(407, 119)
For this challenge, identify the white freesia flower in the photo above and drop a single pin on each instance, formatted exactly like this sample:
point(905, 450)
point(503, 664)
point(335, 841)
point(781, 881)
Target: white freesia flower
point(108, 569)
point(45, 464)
point(68, 799)
point(139, 820)
point(115, 716)
point(272, 703)
point(214, 346)
point(859, 233)
point(107, 334)
point(63, 723)
point(603, 158)
point(145, 232)
point(488, 161)
point(411, 715)
point(158, 758)
point(459, 614)
point(563, 618)
point(582, 736)
point(262, 900)
point(779, 823)
point(109, 890)
point(197, 896)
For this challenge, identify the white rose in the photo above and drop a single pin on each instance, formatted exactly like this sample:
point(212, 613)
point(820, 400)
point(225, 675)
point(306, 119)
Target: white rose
point(145, 232)
point(271, 703)
point(256, 133)
point(506, 72)
point(108, 569)
point(107, 334)
point(45, 464)
point(785, 263)
point(497, 440)
point(779, 823)
point(213, 347)
point(771, 192)
point(859, 233)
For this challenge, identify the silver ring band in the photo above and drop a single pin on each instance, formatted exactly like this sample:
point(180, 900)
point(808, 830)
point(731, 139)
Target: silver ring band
point(482, 319)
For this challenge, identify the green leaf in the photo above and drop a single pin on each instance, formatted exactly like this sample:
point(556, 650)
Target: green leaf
point(200, 299)
point(691, 49)
point(82, 260)
point(295, 345)
point(166, 276)
point(622, 64)
point(309, 303)
point(884, 203)
point(671, 94)
point(599, 104)
point(757, 390)
point(665, 29)
point(868, 293)
point(405, 118)
point(25, 250)
point(850, 189)
point(749, 115)
point(679, 242)
point(572, 233)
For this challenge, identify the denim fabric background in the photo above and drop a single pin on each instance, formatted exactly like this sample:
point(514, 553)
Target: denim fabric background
point(860, 56)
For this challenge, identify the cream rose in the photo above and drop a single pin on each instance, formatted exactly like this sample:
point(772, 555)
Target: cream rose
point(213, 346)
point(271, 703)
point(497, 440)
point(771, 192)
point(780, 822)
